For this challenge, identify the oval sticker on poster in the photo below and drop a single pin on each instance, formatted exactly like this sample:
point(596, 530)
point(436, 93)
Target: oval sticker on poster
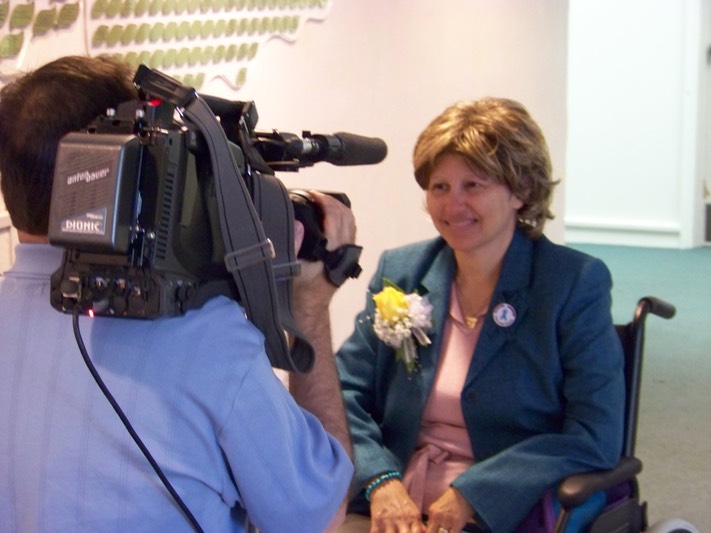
point(504, 315)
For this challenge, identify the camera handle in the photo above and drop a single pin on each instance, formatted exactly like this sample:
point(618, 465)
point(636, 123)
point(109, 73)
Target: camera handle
point(342, 263)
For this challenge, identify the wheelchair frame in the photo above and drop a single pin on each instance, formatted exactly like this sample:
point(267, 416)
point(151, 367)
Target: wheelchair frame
point(628, 514)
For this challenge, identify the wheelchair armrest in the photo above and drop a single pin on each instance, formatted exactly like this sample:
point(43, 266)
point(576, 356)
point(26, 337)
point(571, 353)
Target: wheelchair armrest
point(574, 490)
point(656, 306)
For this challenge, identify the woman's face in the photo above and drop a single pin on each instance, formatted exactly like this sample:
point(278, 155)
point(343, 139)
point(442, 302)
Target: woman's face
point(472, 212)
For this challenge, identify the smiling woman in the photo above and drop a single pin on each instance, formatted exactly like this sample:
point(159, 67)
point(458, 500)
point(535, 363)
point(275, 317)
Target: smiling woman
point(521, 381)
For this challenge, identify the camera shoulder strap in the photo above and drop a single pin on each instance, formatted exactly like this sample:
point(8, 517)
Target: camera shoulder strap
point(249, 253)
point(275, 209)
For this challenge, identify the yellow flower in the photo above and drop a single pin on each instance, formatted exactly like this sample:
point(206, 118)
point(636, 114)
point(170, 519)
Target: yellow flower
point(401, 321)
point(391, 304)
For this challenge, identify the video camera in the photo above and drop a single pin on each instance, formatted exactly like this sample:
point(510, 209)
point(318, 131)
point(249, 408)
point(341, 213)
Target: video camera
point(172, 199)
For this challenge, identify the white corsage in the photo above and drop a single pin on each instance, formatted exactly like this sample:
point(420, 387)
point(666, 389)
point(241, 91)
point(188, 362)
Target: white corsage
point(401, 320)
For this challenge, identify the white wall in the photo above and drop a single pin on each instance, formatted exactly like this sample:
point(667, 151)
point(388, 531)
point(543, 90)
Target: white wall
point(636, 71)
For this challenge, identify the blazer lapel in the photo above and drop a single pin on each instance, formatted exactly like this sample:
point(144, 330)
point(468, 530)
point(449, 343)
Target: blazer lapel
point(508, 307)
point(436, 284)
point(413, 389)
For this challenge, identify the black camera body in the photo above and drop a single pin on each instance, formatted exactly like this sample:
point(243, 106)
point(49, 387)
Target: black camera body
point(171, 199)
point(134, 206)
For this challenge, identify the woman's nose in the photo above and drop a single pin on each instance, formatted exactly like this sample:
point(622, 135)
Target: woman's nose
point(454, 200)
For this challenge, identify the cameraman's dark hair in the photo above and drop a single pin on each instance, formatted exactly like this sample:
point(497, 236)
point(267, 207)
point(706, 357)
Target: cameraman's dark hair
point(498, 138)
point(36, 111)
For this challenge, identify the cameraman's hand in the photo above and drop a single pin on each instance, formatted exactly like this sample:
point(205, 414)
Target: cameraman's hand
point(319, 390)
point(339, 228)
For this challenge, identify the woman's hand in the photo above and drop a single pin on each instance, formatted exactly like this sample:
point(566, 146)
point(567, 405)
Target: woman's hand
point(393, 511)
point(450, 512)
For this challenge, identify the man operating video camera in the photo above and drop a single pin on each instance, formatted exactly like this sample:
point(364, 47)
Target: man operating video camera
point(221, 443)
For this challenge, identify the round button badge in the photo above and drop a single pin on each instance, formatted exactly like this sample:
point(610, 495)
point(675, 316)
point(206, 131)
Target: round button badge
point(504, 315)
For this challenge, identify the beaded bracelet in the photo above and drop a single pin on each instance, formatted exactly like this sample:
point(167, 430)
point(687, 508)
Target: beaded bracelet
point(379, 481)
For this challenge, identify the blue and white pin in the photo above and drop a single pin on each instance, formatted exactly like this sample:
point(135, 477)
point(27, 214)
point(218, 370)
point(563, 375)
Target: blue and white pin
point(504, 315)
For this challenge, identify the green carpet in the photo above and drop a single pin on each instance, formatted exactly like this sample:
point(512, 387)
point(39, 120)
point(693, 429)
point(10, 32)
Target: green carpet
point(674, 432)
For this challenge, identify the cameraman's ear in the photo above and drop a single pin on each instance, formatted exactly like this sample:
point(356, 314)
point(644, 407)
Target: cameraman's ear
point(298, 236)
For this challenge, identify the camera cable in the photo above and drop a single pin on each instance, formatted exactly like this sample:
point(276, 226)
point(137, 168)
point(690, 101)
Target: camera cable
point(127, 424)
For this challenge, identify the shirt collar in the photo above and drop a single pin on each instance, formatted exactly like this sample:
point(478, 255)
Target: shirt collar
point(36, 259)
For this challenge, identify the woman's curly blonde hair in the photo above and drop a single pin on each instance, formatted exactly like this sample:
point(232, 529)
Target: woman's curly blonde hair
point(498, 139)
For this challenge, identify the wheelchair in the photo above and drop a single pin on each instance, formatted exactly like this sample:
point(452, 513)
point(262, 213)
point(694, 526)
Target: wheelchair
point(624, 512)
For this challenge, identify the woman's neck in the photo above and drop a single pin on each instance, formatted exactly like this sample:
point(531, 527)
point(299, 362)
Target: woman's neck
point(478, 271)
point(476, 277)
point(483, 265)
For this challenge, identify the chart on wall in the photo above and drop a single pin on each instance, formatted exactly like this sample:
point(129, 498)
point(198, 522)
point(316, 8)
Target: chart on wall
point(191, 40)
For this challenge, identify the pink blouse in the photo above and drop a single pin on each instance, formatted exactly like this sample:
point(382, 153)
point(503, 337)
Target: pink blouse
point(444, 450)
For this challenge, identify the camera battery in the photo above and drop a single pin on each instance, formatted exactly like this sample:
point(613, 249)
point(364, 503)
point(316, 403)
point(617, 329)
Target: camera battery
point(94, 192)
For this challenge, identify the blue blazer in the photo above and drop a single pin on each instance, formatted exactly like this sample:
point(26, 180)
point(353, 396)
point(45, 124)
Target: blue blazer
point(543, 397)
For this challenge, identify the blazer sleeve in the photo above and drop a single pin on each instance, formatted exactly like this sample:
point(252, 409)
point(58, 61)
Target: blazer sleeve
point(361, 370)
point(577, 329)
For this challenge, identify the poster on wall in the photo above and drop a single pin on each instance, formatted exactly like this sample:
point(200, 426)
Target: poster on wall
point(193, 41)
